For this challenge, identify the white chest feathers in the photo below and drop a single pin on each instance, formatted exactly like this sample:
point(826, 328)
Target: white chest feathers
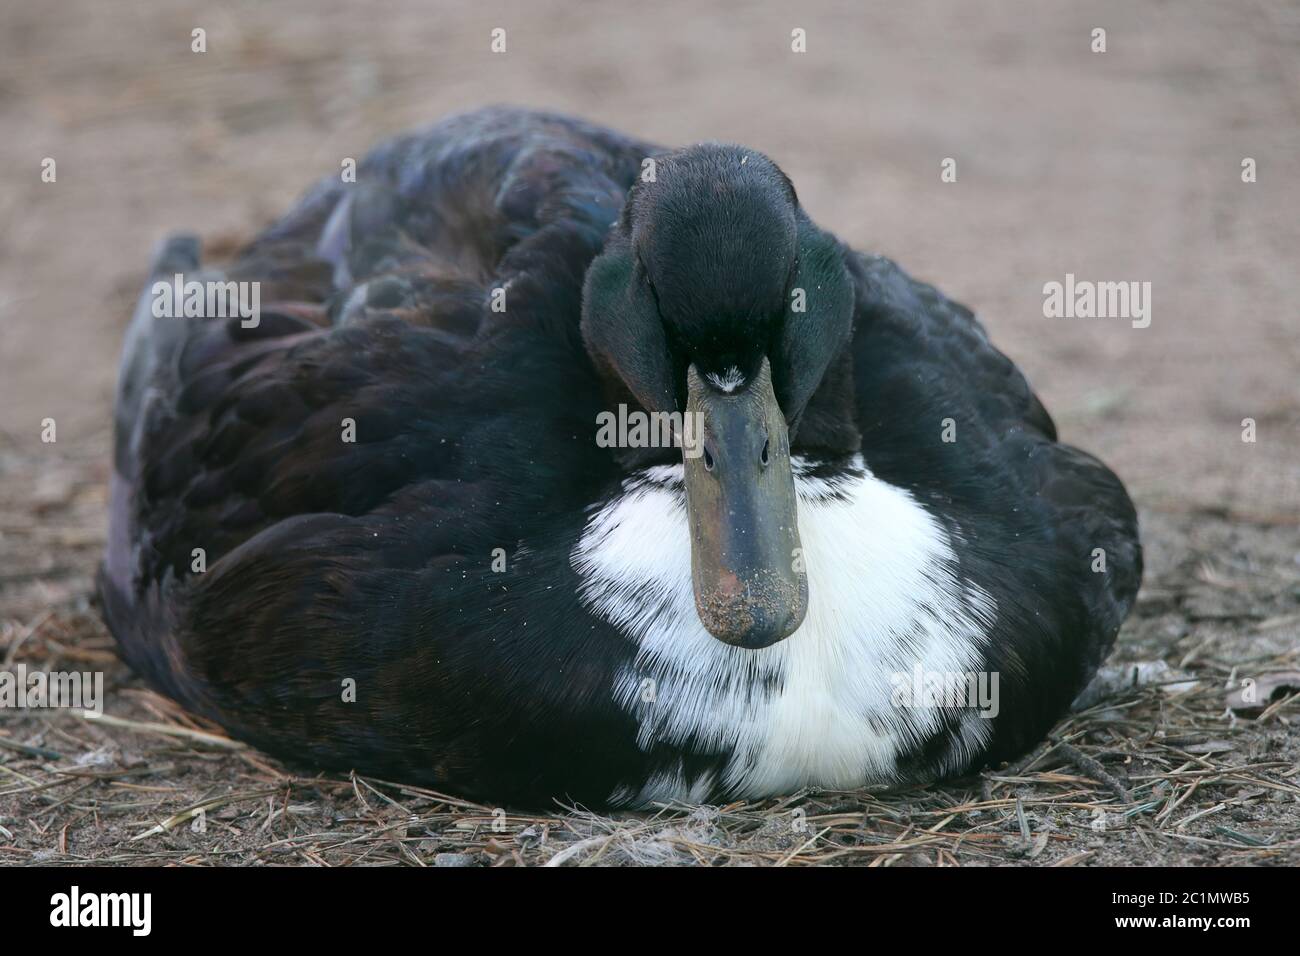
point(821, 708)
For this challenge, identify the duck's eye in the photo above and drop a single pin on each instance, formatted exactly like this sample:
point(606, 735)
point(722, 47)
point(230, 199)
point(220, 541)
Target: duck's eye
point(763, 456)
point(708, 460)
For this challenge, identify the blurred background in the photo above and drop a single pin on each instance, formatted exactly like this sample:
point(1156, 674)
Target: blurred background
point(1122, 165)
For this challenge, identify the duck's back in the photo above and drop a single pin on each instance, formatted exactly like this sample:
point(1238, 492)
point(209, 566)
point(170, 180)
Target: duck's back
point(450, 211)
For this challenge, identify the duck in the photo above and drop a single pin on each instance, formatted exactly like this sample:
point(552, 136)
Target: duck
point(372, 527)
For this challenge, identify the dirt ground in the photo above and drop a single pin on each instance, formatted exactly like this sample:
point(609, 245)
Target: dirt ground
point(1122, 165)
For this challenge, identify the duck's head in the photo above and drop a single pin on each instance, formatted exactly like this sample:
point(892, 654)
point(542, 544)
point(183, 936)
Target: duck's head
point(716, 296)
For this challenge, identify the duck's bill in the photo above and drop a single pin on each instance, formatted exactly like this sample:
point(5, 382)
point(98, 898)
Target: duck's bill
point(746, 562)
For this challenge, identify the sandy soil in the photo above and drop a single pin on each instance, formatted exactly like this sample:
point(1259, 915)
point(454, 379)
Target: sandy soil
point(1123, 165)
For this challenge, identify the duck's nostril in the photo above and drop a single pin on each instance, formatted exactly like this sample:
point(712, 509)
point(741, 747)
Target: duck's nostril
point(763, 456)
point(708, 459)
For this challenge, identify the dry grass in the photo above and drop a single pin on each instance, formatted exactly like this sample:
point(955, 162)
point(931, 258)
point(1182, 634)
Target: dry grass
point(1140, 775)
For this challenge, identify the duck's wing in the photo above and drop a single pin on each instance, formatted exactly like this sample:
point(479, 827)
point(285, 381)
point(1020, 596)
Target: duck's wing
point(226, 434)
point(1046, 529)
point(287, 496)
